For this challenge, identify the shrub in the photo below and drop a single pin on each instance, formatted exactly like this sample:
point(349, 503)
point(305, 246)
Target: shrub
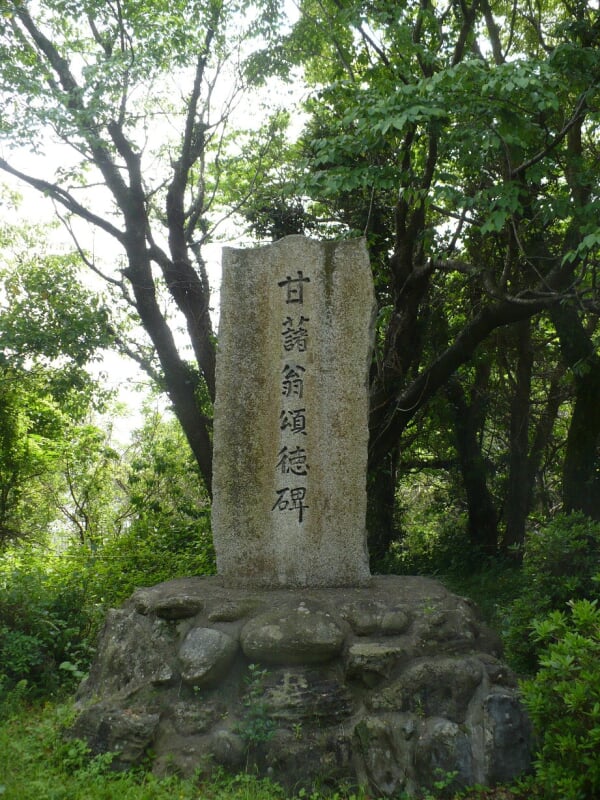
point(155, 548)
point(44, 630)
point(563, 700)
point(559, 564)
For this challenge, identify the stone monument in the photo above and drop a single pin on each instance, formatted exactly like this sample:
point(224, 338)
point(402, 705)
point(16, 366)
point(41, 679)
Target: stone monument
point(291, 415)
point(293, 661)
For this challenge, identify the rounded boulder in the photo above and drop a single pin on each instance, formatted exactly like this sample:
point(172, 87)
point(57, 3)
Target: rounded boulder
point(205, 656)
point(300, 635)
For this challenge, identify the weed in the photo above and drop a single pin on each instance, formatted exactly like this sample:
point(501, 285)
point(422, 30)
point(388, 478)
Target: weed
point(256, 726)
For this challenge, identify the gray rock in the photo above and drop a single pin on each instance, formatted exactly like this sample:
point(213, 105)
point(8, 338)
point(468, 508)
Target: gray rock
point(433, 687)
point(301, 754)
point(454, 629)
point(190, 719)
point(443, 753)
point(126, 732)
point(372, 617)
point(373, 661)
point(205, 656)
point(300, 635)
point(134, 651)
point(228, 749)
point(385, 749)
point(170, 605)
point(303, 695)
point(508, 738)
point(498, 672)
point(229, 611)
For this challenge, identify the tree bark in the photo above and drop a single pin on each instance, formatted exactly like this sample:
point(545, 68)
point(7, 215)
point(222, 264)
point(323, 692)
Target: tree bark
point(581, 467)
point(519, 490)
point(390, 417)
point(381, 504)
point(542, 436)
point(483, 518)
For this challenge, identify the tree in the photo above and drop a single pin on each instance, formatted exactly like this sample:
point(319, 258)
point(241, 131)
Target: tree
point(153, 526)
point(461, 140)
point(101, 78)
point(50, 328)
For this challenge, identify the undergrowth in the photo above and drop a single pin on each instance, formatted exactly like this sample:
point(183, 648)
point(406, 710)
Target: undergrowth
point(38, 763)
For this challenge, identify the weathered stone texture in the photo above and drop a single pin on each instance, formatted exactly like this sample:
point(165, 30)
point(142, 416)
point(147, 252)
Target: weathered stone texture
point(344, 681)
point(298, 635)
point(432, 687)
point(291, 414)
point(205, 656)
point(308, 696)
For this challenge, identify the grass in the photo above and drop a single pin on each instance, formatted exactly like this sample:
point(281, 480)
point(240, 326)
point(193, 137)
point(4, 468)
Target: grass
point(37, 764)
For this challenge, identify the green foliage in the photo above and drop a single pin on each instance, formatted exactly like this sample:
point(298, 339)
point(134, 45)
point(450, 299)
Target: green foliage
point(563, 700)
point(463, 146)
point(560, 564)
point(46, 311)
point(129, 520)
point(44, 629)
point(112, 49)
point(256, 726)
point(50, 328)
point(433, 529)
point(150, 551)
point(164, 527)
point(36, 762)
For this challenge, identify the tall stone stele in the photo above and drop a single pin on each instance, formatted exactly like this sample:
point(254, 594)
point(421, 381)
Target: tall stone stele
point(291, 414)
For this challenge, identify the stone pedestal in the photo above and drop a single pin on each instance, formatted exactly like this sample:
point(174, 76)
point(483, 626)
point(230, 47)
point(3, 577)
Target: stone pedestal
point(391, 686)
point(291, 414)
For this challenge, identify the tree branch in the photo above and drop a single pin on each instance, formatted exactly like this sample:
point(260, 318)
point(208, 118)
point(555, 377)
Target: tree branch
point(65, 199)
point(387, 424)
point(576, 117)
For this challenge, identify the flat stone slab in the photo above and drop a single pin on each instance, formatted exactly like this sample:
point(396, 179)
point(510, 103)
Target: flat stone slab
point(291, 414)
point(370, 661)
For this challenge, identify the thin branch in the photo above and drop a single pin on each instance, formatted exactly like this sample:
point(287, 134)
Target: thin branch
point(83, 256)
point(74, 104)
point(141, 360)
point(574, 120)
point(64, 198)
point(380, 52)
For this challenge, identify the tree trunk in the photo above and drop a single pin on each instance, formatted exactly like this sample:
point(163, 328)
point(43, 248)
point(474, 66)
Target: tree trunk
point(581, 467)
point(180, 381)
point(381, 501)
point(519, 490)
point(483, 522)
point(542, 436)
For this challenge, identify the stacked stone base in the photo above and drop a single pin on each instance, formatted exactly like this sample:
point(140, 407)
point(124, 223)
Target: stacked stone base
point(394, 686)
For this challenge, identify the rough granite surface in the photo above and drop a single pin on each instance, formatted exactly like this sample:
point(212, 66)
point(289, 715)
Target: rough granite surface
point(390, 686)
point(291, 414)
